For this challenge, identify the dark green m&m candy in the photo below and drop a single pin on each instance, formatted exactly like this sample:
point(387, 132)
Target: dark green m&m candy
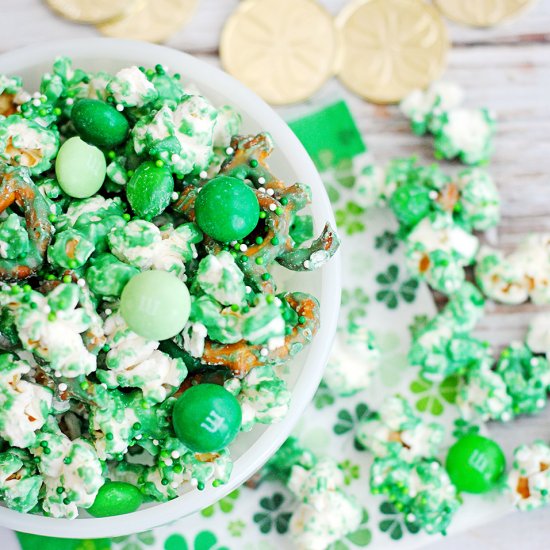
point(227, 209)
point(116, 498)
point(475, 464)
point(99, 123)
point(150, 189)
point(206, 418)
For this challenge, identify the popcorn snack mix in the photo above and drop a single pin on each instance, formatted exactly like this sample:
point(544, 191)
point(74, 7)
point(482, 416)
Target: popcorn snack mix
point(141, 328)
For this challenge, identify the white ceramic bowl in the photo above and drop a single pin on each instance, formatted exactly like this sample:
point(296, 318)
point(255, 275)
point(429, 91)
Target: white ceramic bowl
point(289, 161)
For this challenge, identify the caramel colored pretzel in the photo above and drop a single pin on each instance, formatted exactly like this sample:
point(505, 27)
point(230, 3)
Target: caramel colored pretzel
point(16, 187)
point(279, 202)
point(241, 357)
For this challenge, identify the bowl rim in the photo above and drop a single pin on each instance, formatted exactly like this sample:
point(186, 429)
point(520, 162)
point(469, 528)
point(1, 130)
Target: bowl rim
point(296, 156)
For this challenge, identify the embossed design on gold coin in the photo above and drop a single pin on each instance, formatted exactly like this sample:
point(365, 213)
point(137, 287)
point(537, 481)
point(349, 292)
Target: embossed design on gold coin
point(283, 49)
point(390, 47)
point(90, 11)
point(151, 20)
point(481, 13)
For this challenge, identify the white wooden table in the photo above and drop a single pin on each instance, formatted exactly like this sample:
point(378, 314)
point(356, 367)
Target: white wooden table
point(505, 68)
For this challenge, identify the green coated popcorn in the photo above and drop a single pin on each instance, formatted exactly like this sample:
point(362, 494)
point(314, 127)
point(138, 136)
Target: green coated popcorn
point(479, 199)
point(24, 406)
point(220, 277)
point(263, 396)
point(52, 327)
point(14, 239)
point(11, 85)
point(325, 513)
point(527, 378)
point(222, 324)
point(466, 134)
point(422, 491)
point(529, 479)
point(265, 324)
point(23, 142)
point(19, 482)
point(396, 430)
point(70, 250)
point(72, 466)
point(134, 362)
point(143, 245)
point(445, 346)
point(131, 88)
point(341, 373)
point(483, 396)
point(438, 249)
point(421, 106)
point(107, 276)
point(191, 123)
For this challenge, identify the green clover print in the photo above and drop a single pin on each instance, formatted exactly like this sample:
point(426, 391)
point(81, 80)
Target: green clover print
point(361, 537)
point(323, 397)
point(386, 241)
point(356, 299)
point(393, 289)
point(394, 522)
point(433, 395)
point(236, 527)
point(205, 540)
point(348, 218)
point(226, 504)
point(346, 422)
point(272, 515)
point(418, 325)
point(351, 471)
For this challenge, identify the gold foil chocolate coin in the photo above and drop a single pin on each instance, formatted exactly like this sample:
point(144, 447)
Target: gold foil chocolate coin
point(284, 50)
point(390, 47)
point(90, 11)
point(151, 20)
point(481, 13)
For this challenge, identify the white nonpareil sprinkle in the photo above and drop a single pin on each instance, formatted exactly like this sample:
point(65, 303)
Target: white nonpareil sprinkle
point(138, 437)
point(175, 454)
point(81, 282)
point(57, 374)
point(264, 352)
point(307, 264)
point(230, 150)
point(47, 309)
point(120, 107)
point(36, 102)
point(243, 248)
point(261, 180)
point(203, 174)
point(108, 311)
point(194, 482)
point(248, 289)
point(270, 192)
point(69, 101)
point(174, 484)
point(273, 207)
point(168, 462)
point(175, 196)
point(261, 189)
point(62, 387)
point(155, 441)
point(433, 195)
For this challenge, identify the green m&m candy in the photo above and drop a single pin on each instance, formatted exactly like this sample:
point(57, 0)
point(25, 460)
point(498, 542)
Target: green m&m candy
point(80, 168)
point(207, 418)
point(150, 189)
point(155, 304)
point(475, 464)
point(410, 203)
point(99, 123)
point(227, 209)
point(116, 498)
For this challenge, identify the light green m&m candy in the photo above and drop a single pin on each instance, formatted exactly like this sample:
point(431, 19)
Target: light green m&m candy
point(80, 168)
point(150, 189)
point(99, 123)
point(207, 418)
point(227, 209)
point(475, 464)
point(155, 304)
point(116, 498)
